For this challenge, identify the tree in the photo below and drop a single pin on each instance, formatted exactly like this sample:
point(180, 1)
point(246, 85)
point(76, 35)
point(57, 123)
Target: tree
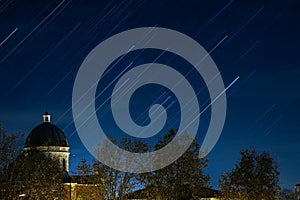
point(84, 169)
point(38, 176)
point(32, 173)
point(114, 184)
point(85, 175)
point(287, 194)
point(184, 178)
point(255, 176)
point(9, 151)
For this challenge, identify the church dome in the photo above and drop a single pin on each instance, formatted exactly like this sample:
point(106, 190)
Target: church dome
point(46, 134)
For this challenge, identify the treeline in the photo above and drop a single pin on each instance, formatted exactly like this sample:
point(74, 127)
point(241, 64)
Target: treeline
point(255, 175)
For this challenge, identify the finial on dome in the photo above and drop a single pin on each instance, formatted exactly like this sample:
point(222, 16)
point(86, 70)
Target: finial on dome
point(46, 117)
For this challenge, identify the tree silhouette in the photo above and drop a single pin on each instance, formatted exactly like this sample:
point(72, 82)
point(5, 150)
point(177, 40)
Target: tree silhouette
point(9, 151)
point(38, 176)
point(255, 176)
point(184, 178)
point(114, 184)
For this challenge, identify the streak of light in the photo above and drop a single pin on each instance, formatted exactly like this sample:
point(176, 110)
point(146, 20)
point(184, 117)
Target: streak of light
point(71, 133)
point(90, 41)
point(44, 58)
point(191, 70)
point(121, 86)
point(214, 17)
point(5, 5)
point(215, 38)
point(269, 129)
point(8, 36)
point(198, 64)
point(188, 103)
point(69, 109)
point(113, 81)
point(88, 118)
point(247, 51)
point(55, 15)
point(47, 22)
point(125, 90)
point(242, 25)
point(223, 38)
point(261, 117)
point(146, 110)
point(118, 12)
point(242, 83)
point(155, 119)
point(98, 18)
point(118, 60)
point(276, 18)
point(149, 40)
point(292, 100)
point(29, 34)
point(158, 107)
point(138, 5)
point(155, 101)
point(216, 45)
point(116, 78)
point(136, 80)
point(214, 100)
point(174, 86)
point(143, 114)
point(119, 23)
point(220, 42)
point(58, 83)
point(71, 122)
point(105, 73)
point(220, 95)
point(102, 20)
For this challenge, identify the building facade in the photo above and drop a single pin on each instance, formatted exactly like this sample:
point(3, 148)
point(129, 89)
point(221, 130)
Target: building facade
point(48, 138)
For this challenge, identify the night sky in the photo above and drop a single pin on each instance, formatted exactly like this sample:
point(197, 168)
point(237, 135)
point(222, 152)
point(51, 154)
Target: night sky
point(43, 43)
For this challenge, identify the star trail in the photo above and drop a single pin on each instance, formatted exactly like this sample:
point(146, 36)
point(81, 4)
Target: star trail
point(254, 44)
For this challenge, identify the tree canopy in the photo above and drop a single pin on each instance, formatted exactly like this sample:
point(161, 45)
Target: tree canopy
point(287, 194)
point(37, 175)
point(32, 173)
point(9, 151)
point(184, 178)
point(114, 184)
point(255, 176)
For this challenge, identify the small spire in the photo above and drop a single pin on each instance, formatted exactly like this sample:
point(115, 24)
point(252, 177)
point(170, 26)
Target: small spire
point(46, 117)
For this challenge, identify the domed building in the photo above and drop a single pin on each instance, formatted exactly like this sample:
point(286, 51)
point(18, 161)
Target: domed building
point(48, 138)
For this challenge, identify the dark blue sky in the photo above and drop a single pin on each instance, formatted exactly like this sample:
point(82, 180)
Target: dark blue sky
point(43, 43)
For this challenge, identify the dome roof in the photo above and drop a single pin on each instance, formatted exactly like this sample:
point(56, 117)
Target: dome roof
point(46, 134)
